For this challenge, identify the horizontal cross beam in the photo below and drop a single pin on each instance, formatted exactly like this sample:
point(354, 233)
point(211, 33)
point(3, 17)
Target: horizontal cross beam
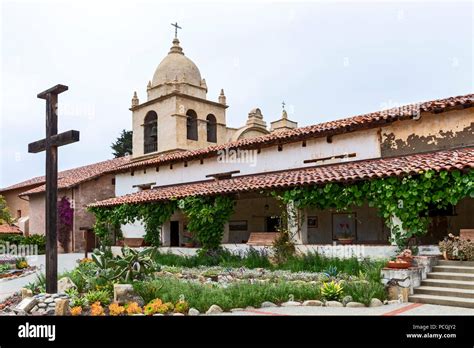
point(60, 139)
point(53, 90)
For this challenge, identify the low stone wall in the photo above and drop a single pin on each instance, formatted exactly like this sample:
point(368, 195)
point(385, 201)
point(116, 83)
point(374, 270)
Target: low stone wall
point(426, 262)
point(341, 251)
point(407, 278)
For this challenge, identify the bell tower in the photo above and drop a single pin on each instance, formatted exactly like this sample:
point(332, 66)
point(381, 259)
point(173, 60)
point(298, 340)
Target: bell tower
point(177, 114)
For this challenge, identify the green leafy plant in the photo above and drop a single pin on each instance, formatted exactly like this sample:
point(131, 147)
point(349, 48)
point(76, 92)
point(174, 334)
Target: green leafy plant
point(5, 267)
point(207, 216)
point(102, 296)
point(407, 198)
point(364, 292)
point(148, 291)
point(332, 291)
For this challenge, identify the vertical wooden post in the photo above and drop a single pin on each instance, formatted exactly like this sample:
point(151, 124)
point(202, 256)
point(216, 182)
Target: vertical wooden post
point(51, 195)
point(50, 145)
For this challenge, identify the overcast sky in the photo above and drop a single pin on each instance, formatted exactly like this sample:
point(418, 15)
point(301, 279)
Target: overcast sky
point(325, 60)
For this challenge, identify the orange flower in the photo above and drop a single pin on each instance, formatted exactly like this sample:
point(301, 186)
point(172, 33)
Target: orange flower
point(115, 309)
point(97, 309)
point(133, 308)
point(76, 310)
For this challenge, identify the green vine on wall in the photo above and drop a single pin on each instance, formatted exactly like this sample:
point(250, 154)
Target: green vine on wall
point(207, 217)
point(407, 198)
point(153, 215)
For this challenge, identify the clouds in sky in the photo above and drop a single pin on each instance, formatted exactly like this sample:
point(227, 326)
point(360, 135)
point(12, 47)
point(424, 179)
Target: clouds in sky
point(326, 60)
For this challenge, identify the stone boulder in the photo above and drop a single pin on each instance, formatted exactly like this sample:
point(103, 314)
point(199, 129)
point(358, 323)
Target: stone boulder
point(313, 303)
point(268, 304)
point(346, 300)
point(375, 302)
point(290, 304)
point(124, 293)
point(193, 312)
point(25, 305)
point(65, 283)
point(334, 304)
point(355, 305)
point(61, 307)
point(214, 309)
point(26, 293)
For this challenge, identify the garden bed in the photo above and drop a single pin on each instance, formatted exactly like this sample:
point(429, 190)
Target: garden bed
point(222, 281)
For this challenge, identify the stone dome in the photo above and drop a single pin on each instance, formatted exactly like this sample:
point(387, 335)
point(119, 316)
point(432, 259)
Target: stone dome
point(176, 66)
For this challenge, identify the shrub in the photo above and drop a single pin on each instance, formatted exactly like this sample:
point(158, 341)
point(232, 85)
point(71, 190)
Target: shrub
point(147, 290)
point(202, 296)
point(33, 239)
point(363, 291)
point(98, 296)
point(332, 291)
point(457, 249)
point(283, 248)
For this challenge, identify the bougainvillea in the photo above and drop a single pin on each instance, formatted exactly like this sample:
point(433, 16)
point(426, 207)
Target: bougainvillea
point(65, 222)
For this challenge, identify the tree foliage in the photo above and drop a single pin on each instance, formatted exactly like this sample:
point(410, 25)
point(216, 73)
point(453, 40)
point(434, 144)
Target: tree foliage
point(123, 145)
point(5, 216)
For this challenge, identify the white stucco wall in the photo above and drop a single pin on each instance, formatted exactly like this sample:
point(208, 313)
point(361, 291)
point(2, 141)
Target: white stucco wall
point(364, 144)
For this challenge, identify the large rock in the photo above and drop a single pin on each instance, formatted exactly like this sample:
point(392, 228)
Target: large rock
point(62, 307)
point(193, 312)
point(26, 305)
point(334, 304)
point(290, 304)
point(355, 304)
point(214, 309)
point(314, 303)
point(375, 302)
point(123, 293)
point(65, 283)
point(26, 293)
point(268, 304)
point(346, 300)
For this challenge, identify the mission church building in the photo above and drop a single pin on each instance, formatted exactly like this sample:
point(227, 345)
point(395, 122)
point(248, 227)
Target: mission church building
point(179, 138)
point(183, 147)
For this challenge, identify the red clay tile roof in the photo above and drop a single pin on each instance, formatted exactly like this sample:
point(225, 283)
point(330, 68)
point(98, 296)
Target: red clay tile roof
point(371, 120)
point(9, 229)
point(30, 182)
point(343, 172)
point(72, 177)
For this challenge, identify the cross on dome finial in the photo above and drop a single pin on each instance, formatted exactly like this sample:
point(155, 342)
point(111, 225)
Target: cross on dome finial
point(176, 27)
point(284, 115)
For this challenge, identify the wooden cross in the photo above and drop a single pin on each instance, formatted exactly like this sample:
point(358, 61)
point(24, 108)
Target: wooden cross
point(50, 145)
point(176, 27)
